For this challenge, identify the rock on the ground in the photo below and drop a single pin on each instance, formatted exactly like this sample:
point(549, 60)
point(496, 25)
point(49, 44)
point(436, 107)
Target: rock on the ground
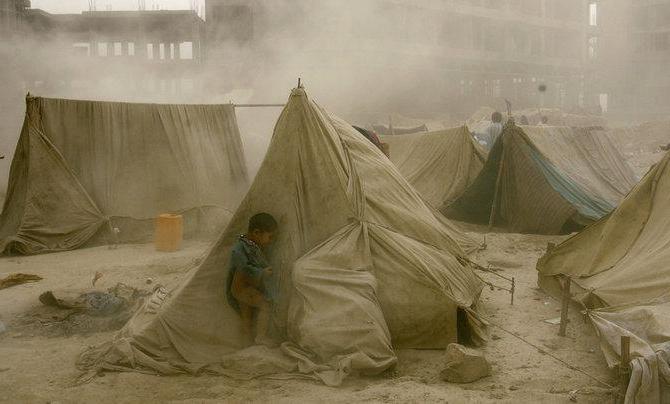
point(464, 365)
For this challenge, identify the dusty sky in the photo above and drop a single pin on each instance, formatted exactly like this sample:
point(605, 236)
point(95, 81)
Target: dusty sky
point(76, 6)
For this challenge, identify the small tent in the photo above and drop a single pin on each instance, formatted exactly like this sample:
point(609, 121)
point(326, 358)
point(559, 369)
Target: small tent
point(87, 170)
point(620, 266)
point(362, 266)
point(557, 117)
point(545, 179)
point(440, 165)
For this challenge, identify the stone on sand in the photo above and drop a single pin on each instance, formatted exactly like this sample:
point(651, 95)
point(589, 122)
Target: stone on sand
point(464, 365)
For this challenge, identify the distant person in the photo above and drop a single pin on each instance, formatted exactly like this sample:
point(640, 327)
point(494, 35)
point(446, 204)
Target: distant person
point(489, 135)
point(373, 138)
point(248, 275)
point(523, 120)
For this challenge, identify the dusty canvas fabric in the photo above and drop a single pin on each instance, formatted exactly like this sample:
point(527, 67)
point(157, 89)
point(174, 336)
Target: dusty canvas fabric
point(557, 117)
point(81, 166)
point(440, 165)
point(537, 178)
point(620, 266)
point(363, 265)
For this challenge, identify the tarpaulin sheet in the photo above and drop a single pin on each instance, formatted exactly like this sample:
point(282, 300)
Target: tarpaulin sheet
point(537, 178)
point(621, 266)
point(355, 243)
point(440, 165)
point(80, 165)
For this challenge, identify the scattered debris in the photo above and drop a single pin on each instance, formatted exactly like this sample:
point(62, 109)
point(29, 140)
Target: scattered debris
point(65, 313)
point(495, 337)
point(18, 279)
point(464, 365)
point(3, 327)
point(156, 300)
point(97, 276)
point(572, 395)
point(553, 321)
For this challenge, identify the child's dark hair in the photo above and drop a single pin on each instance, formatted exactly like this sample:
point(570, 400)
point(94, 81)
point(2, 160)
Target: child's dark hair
point(263, 222)
point(496, 117)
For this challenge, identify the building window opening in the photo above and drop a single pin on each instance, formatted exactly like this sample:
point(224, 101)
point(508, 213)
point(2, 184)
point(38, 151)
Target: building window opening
point(593, 14)
point(186, 50)
point(118, 49)
point(102, 49)
point(131, 48)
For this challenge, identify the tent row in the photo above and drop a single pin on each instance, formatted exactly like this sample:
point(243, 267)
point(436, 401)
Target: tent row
point(87, 172)
point(364, 263)
point(536, 179)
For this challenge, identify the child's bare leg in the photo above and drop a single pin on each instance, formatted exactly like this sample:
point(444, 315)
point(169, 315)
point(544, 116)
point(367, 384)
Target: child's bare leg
point(247, 315)
point(263, 323)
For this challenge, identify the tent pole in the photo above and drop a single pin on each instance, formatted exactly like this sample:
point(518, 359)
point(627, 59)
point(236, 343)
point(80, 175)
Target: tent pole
point(624, 366)
point(257, 105)
point(492, 216)
point(565, 305)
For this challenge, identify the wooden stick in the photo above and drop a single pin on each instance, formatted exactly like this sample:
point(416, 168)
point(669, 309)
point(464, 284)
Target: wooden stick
point(496, 191)
point(624, 366)
point(565, 305)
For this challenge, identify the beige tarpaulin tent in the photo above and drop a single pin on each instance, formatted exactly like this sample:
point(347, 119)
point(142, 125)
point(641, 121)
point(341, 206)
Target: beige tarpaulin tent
point(557, 117)
point(620, 266)
point(545, 179)
point(363, 266)
point(84, 168)
point(440, 165)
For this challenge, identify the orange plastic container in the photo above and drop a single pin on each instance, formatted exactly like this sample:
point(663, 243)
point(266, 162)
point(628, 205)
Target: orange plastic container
point(169, 232)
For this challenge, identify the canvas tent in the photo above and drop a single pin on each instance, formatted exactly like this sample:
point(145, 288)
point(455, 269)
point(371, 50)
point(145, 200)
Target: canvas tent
point(557, 117)
point(544, 179)
point(620, 266)
point(362, 266)
point(440, 165)
point(84, 168)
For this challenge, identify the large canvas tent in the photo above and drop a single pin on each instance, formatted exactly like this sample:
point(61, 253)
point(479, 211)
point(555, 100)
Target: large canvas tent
point(545, 179)
point(440, 165)
point(362, 266)
point(620, 266)
point(83, 169)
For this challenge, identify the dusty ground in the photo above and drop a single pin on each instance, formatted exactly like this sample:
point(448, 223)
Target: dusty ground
point(37, 369)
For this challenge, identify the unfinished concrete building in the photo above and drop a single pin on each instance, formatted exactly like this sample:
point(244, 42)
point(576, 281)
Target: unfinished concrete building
point(634, 44)
point(465, 53)
point(12, 16)
point(126, 54)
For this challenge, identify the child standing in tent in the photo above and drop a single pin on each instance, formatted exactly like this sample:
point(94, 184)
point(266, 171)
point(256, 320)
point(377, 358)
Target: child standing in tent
point(248, 272)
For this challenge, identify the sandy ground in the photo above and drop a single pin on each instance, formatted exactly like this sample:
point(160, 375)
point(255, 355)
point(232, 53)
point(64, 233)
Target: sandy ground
point(38, 369)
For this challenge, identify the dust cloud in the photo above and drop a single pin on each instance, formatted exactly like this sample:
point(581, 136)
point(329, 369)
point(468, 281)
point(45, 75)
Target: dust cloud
point(364, 60)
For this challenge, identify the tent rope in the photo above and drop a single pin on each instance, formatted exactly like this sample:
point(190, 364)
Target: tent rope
point(544, 352)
